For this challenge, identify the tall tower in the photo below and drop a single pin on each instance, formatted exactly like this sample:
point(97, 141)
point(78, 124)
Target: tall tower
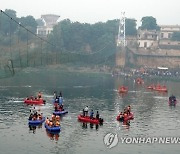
point(121, 41)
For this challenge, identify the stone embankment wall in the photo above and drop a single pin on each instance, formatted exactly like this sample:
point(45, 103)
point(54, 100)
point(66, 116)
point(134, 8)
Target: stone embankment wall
point(153, 59)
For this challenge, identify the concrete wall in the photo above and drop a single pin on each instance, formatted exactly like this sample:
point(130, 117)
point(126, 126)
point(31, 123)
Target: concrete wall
point(153, 62)
point(164, 59)
point(147, 43)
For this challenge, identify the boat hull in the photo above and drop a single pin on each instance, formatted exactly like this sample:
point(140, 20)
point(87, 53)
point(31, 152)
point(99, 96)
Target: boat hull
point(36, 122)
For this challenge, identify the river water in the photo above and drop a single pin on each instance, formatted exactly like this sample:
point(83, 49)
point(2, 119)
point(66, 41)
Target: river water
point(153, 116)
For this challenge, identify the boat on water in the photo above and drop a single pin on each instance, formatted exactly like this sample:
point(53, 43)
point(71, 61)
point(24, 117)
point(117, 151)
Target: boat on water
point(53, 128)
point(151, 87)
point(87, 119)
point(34, 101)
point(128, 117)
point(36, 122)
point(160, 88)
point(172, 100)
point(123, 89)
point(60, 112)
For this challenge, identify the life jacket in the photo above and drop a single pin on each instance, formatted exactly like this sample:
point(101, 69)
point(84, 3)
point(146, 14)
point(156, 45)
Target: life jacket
point(53, 117)
point(57, 118)
point(47, 121)
point(57, 123)
point(50, 124)
point(125, 115)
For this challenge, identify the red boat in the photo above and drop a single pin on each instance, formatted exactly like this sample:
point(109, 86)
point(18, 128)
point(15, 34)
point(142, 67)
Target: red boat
point(123, 89)
point(34, 101)
point(160, 88)
point(151, 87)
point(88, 119)
point(129, 117)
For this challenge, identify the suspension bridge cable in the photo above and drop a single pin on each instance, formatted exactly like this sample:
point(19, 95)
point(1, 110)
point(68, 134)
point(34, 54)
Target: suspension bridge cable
point(26, 28)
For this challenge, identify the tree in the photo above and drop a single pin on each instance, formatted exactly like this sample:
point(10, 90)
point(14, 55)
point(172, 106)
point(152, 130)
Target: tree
point(29, 21)
point(7, 22)
point(176, 36)
point(149, 23)
point(131, 27)
point(39, 22)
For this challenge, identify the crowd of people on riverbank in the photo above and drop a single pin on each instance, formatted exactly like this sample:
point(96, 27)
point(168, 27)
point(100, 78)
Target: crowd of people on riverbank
point(167, 73)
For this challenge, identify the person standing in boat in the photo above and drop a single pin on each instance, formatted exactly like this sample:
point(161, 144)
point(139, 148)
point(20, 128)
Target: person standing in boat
point(86, 110)
point(54, 97)
point(91, 114)
point(97, 115)
point(60, 98)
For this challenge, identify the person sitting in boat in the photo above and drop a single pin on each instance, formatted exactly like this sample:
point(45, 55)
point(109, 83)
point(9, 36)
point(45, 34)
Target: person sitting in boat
point(56, 107)
point(31, 97)
point(57, 123)
point(27, 98)
point(97, 115)
point(128, 109)
point(86, 110)
point(47, 121)
point(31, 116)
point(121, 117)
point(39, 95)
point(57, 118)
point(172, 98)
point(125, 115)
point(91, 114)
point(61, 107)
point(39, 117)
point(53, 117)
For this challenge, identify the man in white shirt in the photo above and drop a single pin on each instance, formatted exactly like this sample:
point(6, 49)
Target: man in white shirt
point(86, 110)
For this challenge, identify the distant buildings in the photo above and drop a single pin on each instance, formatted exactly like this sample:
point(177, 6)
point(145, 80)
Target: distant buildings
point(147, 39)
point(152, 39)
point(49, 20)
point(166, 31)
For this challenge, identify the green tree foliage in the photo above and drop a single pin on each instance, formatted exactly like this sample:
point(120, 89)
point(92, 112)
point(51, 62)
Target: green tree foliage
point(78, 37)
point(8, 26)
point(29, 22)
point(131, 27)
point(98, 39)
point(149, 23)
point(176, 36)
point(39, 22)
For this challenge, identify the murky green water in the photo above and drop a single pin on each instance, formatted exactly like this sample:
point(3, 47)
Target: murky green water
point(153, 116)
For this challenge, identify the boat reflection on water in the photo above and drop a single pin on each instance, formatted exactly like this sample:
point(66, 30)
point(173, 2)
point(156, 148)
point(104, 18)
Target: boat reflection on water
point(53, 135)
point(91, 125)
point(32, 128)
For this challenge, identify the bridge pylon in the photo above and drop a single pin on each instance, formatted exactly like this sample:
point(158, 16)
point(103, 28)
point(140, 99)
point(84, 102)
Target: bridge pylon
point(121, 42)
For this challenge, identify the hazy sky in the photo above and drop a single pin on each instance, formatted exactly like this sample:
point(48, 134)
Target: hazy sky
point(91, 11)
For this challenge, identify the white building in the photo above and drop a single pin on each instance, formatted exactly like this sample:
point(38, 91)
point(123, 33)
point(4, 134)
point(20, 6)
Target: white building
point(166, 31)
point(50, 20)
point(148, 38)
